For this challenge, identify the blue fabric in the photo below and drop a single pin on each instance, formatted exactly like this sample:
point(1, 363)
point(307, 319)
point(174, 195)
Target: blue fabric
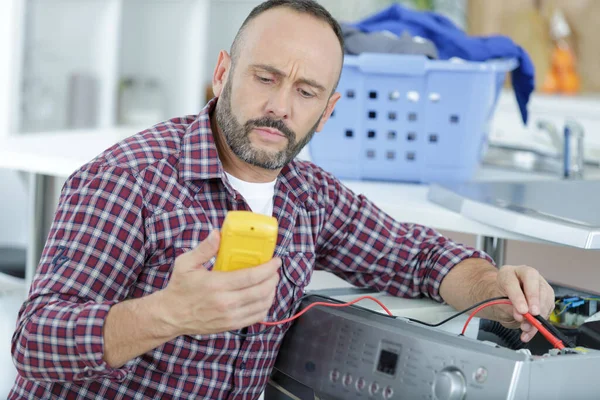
point(453, 42)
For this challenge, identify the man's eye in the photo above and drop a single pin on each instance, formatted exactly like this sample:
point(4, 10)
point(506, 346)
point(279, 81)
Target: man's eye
point(263, 79)
point(306, 94)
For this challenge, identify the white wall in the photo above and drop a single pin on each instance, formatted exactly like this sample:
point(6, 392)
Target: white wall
point(226, 17)
point(150, 33)
point(10, 19)
point(13, 194)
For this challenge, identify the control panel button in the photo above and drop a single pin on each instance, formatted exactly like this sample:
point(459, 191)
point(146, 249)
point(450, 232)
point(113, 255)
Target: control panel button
point(334, 375)
point(480, 375)
point(450, 384)
point(374, 388)
point(360, 384)
point(388, 392)
point(348, 380)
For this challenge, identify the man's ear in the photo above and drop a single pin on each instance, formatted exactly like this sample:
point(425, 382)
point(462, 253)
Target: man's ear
point(328, 110)
point(221, 73)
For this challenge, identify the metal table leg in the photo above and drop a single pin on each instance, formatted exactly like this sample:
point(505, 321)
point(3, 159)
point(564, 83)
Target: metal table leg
point(494, 247)
point(39, 222)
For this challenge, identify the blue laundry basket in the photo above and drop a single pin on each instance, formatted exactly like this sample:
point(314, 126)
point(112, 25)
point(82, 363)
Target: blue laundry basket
point(408, 118)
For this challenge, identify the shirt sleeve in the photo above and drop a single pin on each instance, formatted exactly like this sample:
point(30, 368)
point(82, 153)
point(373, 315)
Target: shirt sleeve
point(363, 245)
point(93, 255)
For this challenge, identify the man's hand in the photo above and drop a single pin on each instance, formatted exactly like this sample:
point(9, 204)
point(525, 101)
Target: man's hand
point(474, 280)
point(198, 301)
point(529, 292)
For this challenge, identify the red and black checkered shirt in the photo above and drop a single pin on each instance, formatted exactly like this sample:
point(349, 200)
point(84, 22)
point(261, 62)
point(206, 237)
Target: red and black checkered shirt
point(124, 217)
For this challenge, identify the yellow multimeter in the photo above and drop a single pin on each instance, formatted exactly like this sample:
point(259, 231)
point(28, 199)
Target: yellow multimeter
point(248, 239)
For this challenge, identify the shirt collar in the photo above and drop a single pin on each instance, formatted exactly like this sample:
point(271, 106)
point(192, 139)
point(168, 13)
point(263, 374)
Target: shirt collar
point(200, 158)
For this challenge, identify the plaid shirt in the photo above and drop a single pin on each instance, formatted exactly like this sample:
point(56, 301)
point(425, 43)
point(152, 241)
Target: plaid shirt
point(124, 217)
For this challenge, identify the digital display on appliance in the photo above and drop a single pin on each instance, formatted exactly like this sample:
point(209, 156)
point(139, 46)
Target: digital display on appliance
point(387, 363)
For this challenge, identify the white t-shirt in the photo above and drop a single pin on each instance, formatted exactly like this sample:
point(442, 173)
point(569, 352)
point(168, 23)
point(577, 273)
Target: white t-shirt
point(259, 196)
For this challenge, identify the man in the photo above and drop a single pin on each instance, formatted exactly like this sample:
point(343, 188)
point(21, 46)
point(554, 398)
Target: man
point(125, 305)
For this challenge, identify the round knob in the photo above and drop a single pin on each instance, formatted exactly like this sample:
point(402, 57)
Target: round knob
point(450, 384)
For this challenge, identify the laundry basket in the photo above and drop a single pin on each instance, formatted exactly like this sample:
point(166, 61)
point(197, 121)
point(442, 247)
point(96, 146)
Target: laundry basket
point(408, 118)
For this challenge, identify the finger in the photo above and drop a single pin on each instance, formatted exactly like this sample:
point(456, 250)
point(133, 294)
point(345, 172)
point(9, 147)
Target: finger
point(245, 312)
point(240, 299)
point(504, 313)
point(530, 279)
point(512, 287)
point(263, 306)
point(206, 250)
point(231, 314)
point(250, 320)
point(527, 336)
point(249, 277)
point(526, 327)
point(547, 302)
point(517, 316)
point(255, 294)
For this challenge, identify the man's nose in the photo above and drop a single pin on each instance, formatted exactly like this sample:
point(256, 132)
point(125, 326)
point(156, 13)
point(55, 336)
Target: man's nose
point(279, 104)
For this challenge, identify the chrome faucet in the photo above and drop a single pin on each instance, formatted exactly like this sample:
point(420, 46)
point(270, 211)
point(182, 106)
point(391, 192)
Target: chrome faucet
point(573, 163)
point(552, 131)
point(572, 155)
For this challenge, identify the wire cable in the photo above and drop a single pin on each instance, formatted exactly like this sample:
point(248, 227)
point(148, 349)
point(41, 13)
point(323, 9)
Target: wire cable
point(275, 323)
point(458, 314)
point(481, 307)
point(538, 322)
point(554, 341)
point(556, 332)
point(568, 302)
point(272, 324)
point(553, 335)
point(248, 335)
point(320, 303)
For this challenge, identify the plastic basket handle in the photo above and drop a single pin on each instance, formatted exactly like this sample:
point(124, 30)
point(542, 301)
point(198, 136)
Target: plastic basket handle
point(415, 65)
point(380, 63)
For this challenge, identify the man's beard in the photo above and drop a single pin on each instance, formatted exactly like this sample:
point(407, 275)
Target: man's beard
point(238, 140)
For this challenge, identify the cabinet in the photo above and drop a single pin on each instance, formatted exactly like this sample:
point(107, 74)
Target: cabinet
point(104, 63)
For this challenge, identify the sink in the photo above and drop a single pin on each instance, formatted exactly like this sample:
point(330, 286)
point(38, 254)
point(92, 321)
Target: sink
point(530, 162)
point(522, 159)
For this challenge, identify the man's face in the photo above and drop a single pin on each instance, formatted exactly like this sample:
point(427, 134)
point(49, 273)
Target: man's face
point(278, 93)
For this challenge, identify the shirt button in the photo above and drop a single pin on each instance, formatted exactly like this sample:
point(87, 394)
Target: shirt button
point(243, 365)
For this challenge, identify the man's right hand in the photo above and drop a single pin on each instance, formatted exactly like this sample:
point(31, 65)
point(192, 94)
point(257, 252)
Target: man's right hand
point(198, 301)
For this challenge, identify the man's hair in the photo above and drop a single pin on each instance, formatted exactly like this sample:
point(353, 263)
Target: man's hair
point(310, 7)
